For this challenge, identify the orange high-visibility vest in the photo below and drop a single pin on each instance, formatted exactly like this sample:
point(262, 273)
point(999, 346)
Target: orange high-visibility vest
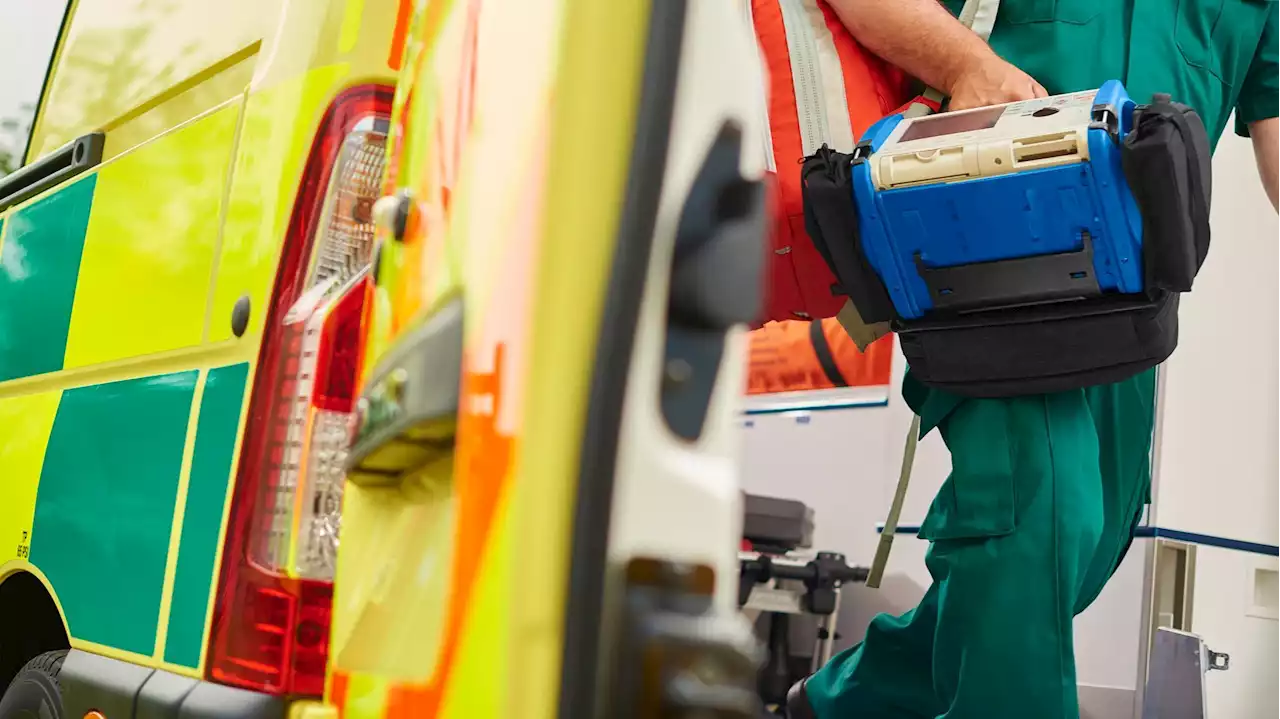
point(823, 88)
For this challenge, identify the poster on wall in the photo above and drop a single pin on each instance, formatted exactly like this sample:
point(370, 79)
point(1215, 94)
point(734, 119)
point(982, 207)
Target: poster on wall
point(814, 365)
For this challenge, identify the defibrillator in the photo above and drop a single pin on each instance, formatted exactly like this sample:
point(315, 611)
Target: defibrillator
point(1025, 248)
point(1003, 206)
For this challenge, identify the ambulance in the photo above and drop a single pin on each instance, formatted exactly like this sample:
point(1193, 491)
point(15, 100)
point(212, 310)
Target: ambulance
point(541, 514)
point(184, 253)
point(515, 401)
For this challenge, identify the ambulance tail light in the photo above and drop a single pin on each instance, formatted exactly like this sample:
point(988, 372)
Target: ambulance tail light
point(270, 629)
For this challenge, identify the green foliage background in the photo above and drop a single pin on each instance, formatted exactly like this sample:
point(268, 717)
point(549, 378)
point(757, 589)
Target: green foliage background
point(13, 139)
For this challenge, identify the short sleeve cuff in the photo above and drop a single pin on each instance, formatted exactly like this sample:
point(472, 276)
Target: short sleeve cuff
point(1263, 106)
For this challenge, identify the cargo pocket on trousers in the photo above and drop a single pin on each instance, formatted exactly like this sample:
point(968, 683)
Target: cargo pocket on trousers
point(978, 499)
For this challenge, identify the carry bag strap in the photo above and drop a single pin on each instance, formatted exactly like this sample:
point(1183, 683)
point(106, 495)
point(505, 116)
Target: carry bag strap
point(980, 17)
point(862, 333)
point(823, 351)
point(1199, 207)
point(899, 495)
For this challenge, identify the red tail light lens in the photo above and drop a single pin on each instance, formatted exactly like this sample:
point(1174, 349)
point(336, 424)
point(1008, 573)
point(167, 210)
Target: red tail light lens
point(340, 353)
point(271, 618)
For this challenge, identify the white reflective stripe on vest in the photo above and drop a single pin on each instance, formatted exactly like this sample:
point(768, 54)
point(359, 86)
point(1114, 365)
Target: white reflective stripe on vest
point(835, 102)
point(821, 107)
point(980, 16)
point(770, 164)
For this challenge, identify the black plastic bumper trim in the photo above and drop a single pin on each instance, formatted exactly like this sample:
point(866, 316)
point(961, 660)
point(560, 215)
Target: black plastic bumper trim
point(214, 701)
point(162, 695)
point(115, 688)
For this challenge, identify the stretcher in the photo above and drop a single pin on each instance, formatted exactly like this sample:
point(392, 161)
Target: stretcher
point(780, 576)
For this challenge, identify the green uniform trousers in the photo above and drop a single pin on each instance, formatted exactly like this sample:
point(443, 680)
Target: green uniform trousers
point(1038, 511)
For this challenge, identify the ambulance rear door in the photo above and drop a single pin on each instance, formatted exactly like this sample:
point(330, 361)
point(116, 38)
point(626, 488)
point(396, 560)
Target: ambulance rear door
point(573, 242)
point(657, 524)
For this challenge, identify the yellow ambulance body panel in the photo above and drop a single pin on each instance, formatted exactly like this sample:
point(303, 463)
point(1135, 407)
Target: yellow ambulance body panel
point(511, 141)
point(521, 132)
point(124, 378)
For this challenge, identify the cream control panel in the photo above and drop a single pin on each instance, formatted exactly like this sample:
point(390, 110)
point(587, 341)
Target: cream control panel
point(986, 141)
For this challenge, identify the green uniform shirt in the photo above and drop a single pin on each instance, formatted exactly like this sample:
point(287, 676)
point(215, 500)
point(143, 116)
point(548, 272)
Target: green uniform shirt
point(1214, 55)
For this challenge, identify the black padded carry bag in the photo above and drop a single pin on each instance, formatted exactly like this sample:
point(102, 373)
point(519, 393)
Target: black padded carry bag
point(1166, 158)
point(831, 221)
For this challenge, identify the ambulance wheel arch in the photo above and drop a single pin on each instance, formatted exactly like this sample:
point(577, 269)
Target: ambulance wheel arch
point(25, 596)
point(658, 474)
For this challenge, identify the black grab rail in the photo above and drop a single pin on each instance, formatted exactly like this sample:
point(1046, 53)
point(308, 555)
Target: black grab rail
point(66, 162)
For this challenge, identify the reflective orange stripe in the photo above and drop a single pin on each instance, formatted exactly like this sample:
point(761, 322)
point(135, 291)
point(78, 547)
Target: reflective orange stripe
point(425, 232)
point(338, 691)
point(396, 56)
point(482, 471)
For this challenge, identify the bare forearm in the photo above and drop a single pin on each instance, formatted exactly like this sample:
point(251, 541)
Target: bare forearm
point(919, 36)
point(1266, 145)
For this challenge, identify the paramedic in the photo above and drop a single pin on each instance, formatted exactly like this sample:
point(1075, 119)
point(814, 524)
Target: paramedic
point(1045, 490)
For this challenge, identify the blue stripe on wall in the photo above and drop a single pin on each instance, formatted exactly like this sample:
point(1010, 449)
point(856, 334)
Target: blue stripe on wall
point(1176, 535)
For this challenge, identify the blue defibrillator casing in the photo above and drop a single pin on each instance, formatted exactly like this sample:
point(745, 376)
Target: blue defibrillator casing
point(1004, 206)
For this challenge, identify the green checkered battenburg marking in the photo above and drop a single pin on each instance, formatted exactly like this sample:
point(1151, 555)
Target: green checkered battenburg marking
point(202, 519)
point(104, 509)
point(108, 485)
point(39, 264)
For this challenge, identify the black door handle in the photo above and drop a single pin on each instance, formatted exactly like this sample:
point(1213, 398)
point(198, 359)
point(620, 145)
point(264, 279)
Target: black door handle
point(717, 272)
point(717, 279)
